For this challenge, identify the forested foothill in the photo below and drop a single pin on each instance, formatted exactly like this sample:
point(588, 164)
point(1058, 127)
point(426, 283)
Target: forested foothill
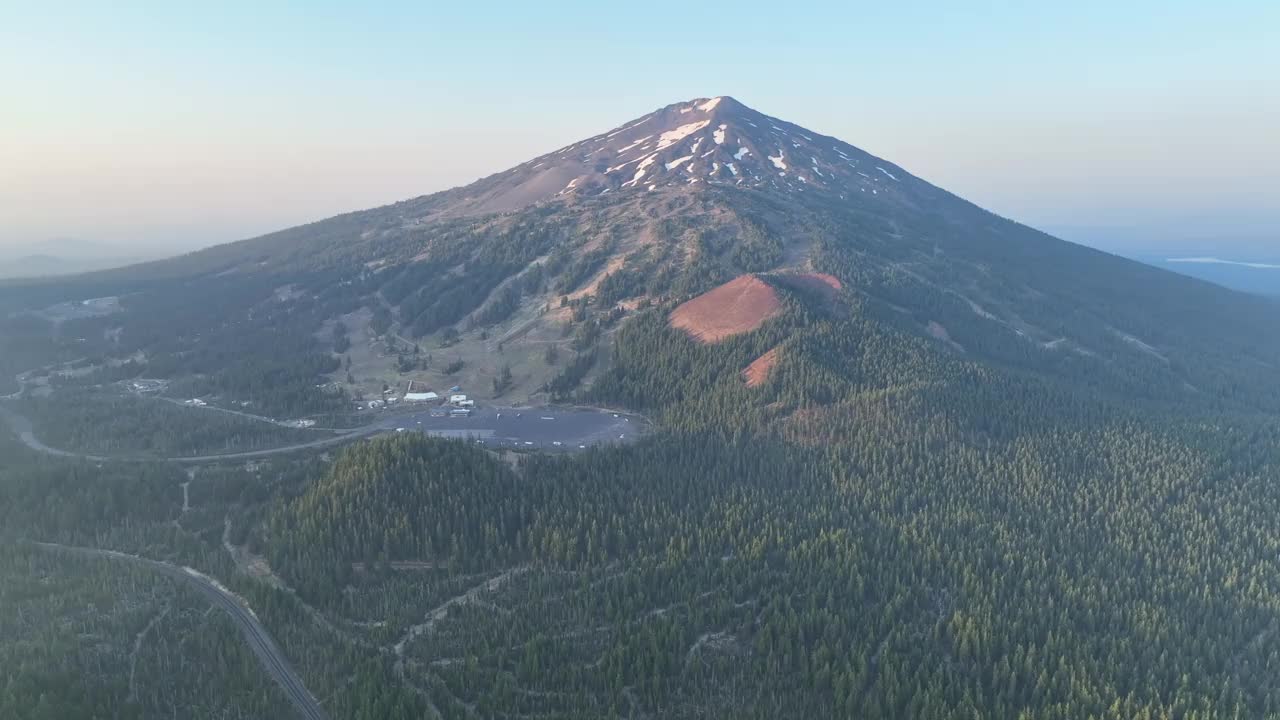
point(880, 529)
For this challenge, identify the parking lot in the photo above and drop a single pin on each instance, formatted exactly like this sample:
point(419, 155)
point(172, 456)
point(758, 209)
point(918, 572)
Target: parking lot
point(545, 428)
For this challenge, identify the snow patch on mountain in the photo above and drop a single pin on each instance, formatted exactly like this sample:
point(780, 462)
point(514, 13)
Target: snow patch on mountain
point(640, 170)
point(632, 145)
point(678, 162)
point(671, 137)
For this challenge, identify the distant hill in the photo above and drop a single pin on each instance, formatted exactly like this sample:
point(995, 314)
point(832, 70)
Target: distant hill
point(49, 265)
point(33, 265)
point(65, 256)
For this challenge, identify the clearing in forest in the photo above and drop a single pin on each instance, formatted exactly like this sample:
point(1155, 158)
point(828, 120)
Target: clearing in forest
point(740, 305)
point(758, 371)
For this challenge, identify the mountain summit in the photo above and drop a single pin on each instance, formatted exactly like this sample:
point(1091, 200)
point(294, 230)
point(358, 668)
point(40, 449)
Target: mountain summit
point(701, 142)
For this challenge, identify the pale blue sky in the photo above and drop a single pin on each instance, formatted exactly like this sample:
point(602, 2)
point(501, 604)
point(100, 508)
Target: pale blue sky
point(161, 124)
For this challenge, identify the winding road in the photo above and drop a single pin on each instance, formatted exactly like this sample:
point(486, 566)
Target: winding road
point(559, 429)
point(22, 427)
point(269, 654)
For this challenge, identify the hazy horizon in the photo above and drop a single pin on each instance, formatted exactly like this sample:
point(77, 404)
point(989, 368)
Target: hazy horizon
point(166, 129)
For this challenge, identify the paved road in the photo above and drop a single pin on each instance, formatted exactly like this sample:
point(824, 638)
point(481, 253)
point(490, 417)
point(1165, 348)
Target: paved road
point(273, 660)
point(229, 411)
point(22, 427)
point(563, 429)
point(21, 380)
point(545, 428)
point(252, 454)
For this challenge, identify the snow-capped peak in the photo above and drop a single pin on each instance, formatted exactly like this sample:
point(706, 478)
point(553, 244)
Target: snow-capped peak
point(693, 146)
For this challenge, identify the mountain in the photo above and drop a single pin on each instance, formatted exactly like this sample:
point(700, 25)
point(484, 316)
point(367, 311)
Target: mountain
point(42, 265)
point(34, 265)
point(63, 256)
point(902, 457)
point(700, 192)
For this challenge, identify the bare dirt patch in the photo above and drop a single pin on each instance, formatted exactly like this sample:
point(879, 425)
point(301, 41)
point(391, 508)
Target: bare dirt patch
point(740, 305)
point(758, 371)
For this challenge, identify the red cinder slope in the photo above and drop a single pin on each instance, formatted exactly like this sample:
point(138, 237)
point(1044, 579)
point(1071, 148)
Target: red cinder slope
point(740, 305)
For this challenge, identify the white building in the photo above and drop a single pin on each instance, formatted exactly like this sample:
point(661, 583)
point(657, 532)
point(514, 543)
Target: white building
point(420, 396)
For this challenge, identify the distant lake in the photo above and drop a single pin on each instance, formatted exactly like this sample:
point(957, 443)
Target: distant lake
point(1255, 275)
